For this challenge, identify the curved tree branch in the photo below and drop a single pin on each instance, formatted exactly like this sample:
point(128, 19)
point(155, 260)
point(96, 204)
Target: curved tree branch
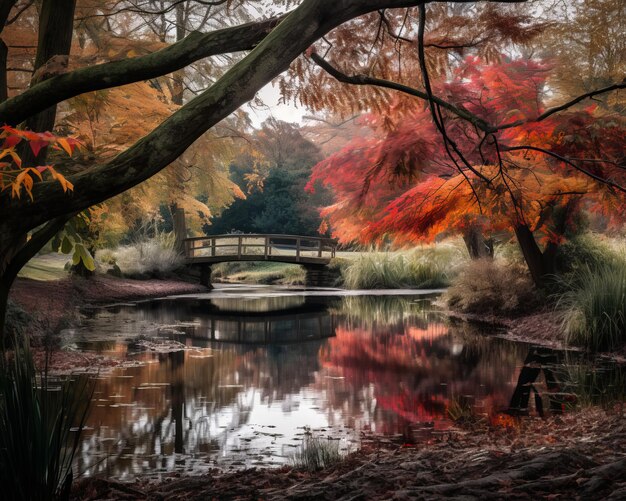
point(556, 109)
point(103, 76)
point(388, 84)
point(567, 161)
point(302, 27)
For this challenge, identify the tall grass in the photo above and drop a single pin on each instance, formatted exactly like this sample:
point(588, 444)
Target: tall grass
point(316, 454)
point(146, 257)
point(426, 269)
point(40, 423)
point(593, 306)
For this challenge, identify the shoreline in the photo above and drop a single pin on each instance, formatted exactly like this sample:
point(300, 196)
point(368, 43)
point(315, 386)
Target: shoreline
point(539, 328)
point(53, 305)
point(56, 304)
point(580, 453)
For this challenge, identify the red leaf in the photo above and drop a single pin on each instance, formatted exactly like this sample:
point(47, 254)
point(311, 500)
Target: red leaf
point(36, 146)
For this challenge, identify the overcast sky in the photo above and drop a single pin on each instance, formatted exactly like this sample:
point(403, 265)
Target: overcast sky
point(270, 95)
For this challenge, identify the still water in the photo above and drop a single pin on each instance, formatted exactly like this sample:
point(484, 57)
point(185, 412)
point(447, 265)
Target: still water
point(262, 366)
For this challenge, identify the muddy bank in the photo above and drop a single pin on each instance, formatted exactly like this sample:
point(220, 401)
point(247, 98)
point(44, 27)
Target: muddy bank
point(541, 327)
point(53, 305)
point(576, 456)
point(52, 301)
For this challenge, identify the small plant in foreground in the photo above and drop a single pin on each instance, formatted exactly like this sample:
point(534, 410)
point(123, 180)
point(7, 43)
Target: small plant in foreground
point(316, 453)
point(594, 307)
point(461, 411)
point(40, 424)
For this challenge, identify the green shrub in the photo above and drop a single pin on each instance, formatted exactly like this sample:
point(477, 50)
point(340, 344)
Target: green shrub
point(40, 424)
point(593, 306)
point(490, 286)
point(316, 454)
point(585, 251)
point(260, 272)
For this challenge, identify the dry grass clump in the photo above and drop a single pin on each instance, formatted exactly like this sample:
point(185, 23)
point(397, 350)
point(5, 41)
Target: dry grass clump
point(488, 286)
point(316, 454)
point(146, 257)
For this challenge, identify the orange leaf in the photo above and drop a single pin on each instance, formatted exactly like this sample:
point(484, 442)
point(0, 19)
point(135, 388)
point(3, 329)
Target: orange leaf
point(65, 145)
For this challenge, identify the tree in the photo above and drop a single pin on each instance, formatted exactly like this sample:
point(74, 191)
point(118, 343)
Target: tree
point(275, 42)
point(275, 168)
point(400, 183)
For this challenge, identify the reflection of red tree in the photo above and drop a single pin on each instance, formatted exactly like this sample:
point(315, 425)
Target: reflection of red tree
point(413, 374)
point(415, 408)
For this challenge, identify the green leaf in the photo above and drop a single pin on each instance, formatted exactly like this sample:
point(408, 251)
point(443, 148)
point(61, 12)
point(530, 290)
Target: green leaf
point(76, 256)
point(82, 254)
point(66, 245)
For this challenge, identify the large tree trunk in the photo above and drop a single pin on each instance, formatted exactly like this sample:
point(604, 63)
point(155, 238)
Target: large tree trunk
point(540, 264)
point(56, 25)
point(477, 245)
point(55, 38)
point(26, 250)
point(178, 87)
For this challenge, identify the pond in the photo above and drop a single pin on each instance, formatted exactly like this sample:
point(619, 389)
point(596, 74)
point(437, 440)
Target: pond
point(262, 366)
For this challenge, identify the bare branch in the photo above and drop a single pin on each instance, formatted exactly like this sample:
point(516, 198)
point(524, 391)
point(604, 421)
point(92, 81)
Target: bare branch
point(568, 162)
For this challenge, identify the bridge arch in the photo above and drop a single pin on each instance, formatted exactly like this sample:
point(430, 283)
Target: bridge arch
point(314, 253)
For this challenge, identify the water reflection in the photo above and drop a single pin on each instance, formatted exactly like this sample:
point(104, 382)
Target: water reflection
point(391, 365)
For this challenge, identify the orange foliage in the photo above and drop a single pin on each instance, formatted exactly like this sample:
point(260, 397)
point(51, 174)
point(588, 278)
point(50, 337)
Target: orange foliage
point(401, 184)
point(16, 176)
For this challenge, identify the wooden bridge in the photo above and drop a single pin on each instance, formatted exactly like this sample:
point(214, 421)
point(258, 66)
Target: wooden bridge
point(255, 247)
point(314, 253)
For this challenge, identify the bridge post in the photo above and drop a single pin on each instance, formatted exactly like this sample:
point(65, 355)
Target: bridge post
point(320, 275)
point(205, 275)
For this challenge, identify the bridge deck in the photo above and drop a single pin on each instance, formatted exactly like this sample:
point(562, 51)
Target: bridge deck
point(258, 247)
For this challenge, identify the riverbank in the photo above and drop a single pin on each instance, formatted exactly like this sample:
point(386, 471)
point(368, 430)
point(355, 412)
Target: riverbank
point(52, 305)
point(52, 301)
point(572, 456)
point(541, 327)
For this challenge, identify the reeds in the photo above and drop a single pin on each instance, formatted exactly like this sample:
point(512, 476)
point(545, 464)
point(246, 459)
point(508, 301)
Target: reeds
point(593, 306)
point(423, 269)
point(316, 453)
point(40, 423)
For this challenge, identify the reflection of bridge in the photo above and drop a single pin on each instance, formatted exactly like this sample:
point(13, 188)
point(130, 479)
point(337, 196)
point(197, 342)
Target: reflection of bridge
point(314, 253)
point(264, 329)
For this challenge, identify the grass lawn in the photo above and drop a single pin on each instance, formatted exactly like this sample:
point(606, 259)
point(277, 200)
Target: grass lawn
point(46, 267)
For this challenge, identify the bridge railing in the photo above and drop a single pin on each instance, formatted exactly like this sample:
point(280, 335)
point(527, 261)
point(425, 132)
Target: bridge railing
point(268, 247)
